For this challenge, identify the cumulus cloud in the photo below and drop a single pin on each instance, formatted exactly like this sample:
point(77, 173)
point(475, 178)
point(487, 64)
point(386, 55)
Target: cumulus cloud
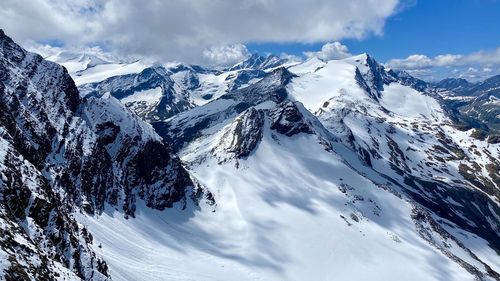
point(474, 66)
point(44, 50)
point(225, 55)
point(181, 30)
point(330, 51)
point(411, 62)
point(291, 58)
point(448, 60)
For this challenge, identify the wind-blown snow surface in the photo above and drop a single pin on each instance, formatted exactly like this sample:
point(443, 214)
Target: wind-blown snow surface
point(281, 216)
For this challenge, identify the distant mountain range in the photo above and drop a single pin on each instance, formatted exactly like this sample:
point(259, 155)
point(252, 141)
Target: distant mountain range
point(478, 104)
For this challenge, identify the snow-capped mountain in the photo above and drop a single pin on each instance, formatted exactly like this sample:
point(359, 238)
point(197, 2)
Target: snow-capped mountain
point(60, 155)
point(258, 62)
point(320, 170)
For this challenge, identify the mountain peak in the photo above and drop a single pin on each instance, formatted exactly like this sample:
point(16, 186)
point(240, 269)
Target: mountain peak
point(453, 83)
point(6, 40)
point(257, 61)
point(282, 74)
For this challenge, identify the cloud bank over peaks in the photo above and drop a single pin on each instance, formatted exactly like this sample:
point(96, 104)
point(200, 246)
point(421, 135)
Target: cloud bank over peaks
point(182, 30)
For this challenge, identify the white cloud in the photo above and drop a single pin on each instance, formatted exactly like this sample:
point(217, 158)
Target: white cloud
point(225, 55)
point(448, 60)
point(181, 30)
point(44, 50)
point(411, 62)
point(330, 51)
point(291, 58)
point(474, 66)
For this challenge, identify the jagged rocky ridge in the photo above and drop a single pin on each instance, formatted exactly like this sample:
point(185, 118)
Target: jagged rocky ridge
point(61, 153)
point(159, 92)
point(186, 127)
point(151, 94)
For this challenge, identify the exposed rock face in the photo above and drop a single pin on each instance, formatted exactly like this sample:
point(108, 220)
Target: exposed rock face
point(286, 119)
point(125, 143)
point(476, 105)
point(39, 239)
point(456, 85)
point(60, 153)
point(244, 77)
point(245, 133)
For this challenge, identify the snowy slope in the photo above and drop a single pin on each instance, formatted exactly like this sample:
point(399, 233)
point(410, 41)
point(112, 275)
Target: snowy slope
point(274, 224)
point(406, 135)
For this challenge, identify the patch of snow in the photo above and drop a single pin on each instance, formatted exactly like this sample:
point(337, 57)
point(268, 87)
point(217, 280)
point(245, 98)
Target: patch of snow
point(408, 102)
point(150, 96)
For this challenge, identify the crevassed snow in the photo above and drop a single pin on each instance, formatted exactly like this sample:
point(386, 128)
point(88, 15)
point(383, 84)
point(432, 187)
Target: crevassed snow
point(211, 84)
point(360, 61)
point(87, 68)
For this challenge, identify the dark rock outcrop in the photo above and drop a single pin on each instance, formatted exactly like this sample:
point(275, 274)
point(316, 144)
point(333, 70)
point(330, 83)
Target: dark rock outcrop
point(245, 134)
point(286, 119)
